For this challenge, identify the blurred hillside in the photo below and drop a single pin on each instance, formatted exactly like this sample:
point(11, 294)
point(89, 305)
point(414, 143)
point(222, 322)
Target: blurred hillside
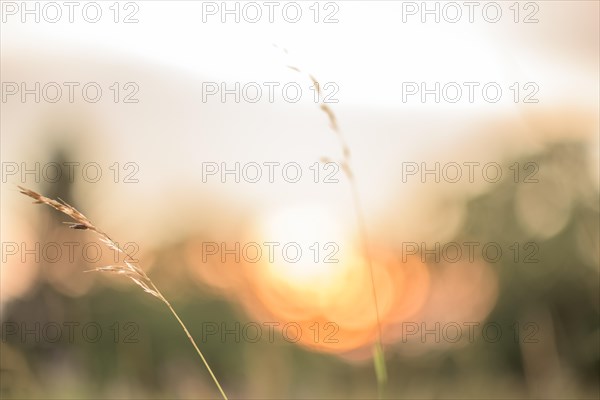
point(554, 351)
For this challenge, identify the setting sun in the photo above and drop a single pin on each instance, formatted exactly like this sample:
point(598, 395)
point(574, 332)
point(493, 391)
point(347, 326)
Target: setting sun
point(309, 248)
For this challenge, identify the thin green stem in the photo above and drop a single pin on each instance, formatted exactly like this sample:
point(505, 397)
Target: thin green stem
point(379, 356)
point(193, 342)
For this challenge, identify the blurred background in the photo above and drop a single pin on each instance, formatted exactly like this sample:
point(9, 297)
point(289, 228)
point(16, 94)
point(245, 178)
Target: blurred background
point(522, 323)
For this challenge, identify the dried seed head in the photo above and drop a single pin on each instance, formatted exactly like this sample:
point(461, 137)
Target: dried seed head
point(132, 271)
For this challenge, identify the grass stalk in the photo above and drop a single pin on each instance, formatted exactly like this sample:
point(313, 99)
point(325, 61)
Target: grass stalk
point(345, 164)
point(129, 269)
